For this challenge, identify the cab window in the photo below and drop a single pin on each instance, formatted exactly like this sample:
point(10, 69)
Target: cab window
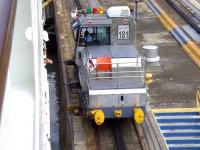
point(94, 36)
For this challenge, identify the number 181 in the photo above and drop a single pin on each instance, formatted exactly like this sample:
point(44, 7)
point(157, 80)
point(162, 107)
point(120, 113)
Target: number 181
point(123, 35)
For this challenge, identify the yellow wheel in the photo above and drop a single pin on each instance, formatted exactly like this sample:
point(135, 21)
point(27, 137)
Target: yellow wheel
point(138, 114)
point(99, 117)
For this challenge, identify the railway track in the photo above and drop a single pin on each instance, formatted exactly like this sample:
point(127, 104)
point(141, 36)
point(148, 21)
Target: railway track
point(167, 15)
point(116, 135)
point(112, 135)
point(97, 137)
point(189, 11)
point(193, 6)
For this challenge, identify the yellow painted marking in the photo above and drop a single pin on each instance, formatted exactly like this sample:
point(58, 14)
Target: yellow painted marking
point(72, 107)
point(168, 110)
point(193, 51)
point(166, 21)
point(197, 100)
point(46, 3)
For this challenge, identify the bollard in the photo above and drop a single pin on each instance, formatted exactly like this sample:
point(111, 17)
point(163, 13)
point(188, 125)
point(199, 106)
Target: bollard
point(151, 53)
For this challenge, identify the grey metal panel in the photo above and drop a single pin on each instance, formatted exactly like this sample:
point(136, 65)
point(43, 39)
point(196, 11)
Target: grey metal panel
point(192, 7)
point(114, 31)
point(96, 20)
point(78, 61)
point(114, 51)
point(122, 83)
point(193, 33)
point(127, 51)
point(97, 16)
point(96, 101)
point(135, 99)
point(103, 84)
point(99, 51)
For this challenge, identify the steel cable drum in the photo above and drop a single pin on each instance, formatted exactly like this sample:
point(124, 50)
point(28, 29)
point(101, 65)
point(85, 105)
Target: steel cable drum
point(5, 6)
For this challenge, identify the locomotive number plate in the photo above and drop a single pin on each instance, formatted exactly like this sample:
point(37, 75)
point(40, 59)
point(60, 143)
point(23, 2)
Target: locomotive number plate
point(123, 32)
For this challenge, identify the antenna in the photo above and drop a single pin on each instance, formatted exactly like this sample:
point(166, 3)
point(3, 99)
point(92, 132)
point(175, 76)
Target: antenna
point(135, 36)
point(136, 9)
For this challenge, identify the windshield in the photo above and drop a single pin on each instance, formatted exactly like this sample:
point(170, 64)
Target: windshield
point(94, 36)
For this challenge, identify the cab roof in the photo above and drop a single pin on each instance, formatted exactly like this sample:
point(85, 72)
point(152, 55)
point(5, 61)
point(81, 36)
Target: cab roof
point(95, 20)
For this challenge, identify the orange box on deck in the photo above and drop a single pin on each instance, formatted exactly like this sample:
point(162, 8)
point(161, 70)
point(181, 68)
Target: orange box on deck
point(103, 64)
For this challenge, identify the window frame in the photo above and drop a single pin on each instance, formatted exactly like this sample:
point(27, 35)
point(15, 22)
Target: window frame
point(95, 28)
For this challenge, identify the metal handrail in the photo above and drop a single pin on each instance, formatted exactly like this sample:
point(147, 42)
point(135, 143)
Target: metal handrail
point(115, 77)
point(121, 63)
point(138, 65)
point(117, 72)
point(141, 71)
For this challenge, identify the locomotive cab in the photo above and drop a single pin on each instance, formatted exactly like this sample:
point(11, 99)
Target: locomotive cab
point(111, 72)
point(94, 36)
point(94, 31)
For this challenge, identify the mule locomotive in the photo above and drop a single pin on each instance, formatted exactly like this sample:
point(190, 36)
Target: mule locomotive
point(111, 71)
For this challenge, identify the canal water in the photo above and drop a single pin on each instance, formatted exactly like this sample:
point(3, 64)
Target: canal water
point(54, 92)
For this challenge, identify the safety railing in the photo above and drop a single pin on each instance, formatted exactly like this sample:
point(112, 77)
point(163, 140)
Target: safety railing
point(131, 71)
point(123, 68)
point(83, 67)
point(119, 70)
